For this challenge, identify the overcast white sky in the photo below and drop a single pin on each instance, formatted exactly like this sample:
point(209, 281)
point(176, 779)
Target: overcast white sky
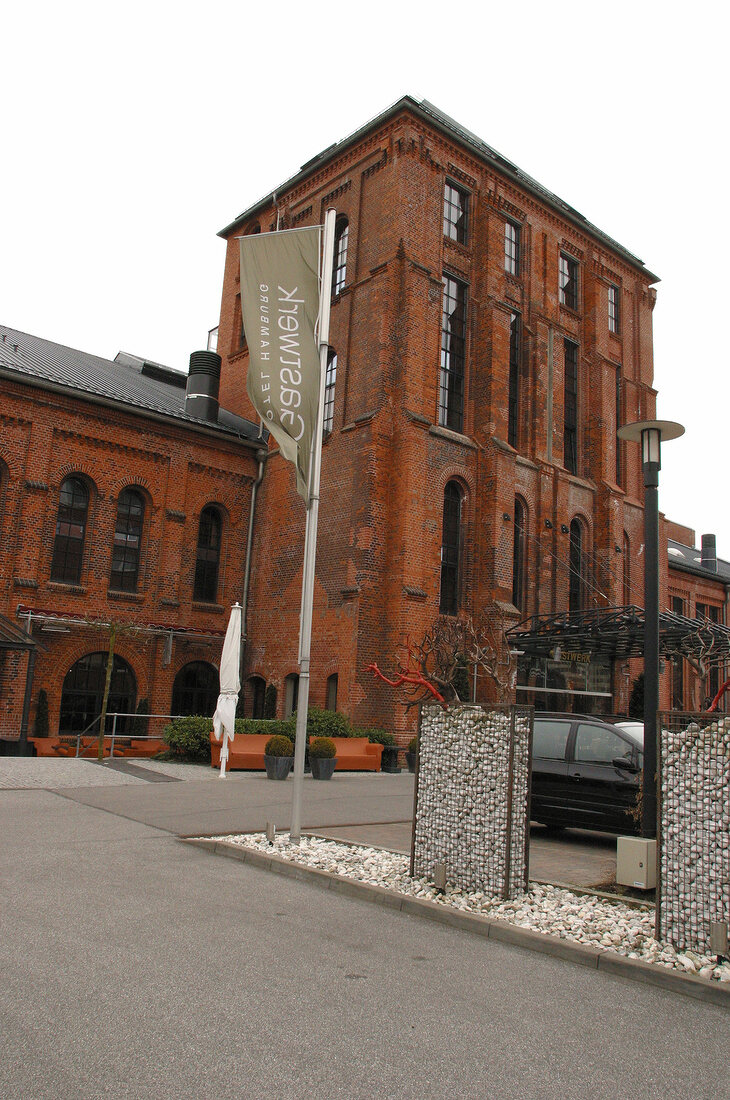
point(131, 134)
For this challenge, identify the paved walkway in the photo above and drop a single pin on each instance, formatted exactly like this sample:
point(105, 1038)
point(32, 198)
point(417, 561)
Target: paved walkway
point(360, 807)
point(137, 967)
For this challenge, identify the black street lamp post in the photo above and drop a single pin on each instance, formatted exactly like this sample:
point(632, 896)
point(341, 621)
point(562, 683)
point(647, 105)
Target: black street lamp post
point(650, 434)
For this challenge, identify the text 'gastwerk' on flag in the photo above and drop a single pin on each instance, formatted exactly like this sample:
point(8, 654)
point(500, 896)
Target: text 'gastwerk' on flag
point(279, 306)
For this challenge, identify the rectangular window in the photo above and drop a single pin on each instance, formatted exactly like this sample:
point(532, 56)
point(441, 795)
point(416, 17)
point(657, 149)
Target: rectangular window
point(568, 281)
point(456, 213)
point(515, 339)
point(614, 309)
point(330, 381)
point(511, 248)
point(570, 410)
point(453, 346)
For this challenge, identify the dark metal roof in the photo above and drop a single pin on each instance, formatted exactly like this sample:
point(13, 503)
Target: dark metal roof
point(689, 560)
point(13, 638)
point(618, 632)
point(129, 380)
point(427, 112)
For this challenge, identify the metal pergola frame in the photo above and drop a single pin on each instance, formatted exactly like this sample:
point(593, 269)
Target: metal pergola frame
point(618, 633)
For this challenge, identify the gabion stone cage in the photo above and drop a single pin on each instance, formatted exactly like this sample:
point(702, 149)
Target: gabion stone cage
point(472, 797)
point(694, 829)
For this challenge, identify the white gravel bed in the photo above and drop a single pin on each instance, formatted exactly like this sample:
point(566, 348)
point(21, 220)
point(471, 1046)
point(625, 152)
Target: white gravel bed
point(552, 910)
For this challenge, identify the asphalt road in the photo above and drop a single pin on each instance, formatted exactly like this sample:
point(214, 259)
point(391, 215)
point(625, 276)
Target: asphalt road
point(133, 966)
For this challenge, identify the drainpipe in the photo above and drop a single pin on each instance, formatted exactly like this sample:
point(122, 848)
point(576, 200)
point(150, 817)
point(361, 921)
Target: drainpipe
point(23, 739)
point(261, 455)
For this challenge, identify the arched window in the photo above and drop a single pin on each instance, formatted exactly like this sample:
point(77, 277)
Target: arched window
point(195, 690)
point(68, 545)
point(339, 271)
point(518, 555)
point(332, 692)
point(83, 692)
point(208, 555)
point(127, 541)
point(451, 549)
point(257, 695)
point(329, 391)
point(576, 587)
point(627, 571)
point(291, 694)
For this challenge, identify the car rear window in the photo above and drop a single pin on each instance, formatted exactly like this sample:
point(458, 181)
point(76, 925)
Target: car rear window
point(549, 738)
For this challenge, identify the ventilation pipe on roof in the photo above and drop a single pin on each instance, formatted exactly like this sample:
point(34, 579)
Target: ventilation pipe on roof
point(201, 392)
point(709, 553)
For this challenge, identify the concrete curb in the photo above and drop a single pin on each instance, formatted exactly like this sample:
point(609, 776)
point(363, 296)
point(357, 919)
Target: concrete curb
point(609, 962)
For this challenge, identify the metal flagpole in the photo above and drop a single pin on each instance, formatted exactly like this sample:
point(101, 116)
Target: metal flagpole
point(310, 537)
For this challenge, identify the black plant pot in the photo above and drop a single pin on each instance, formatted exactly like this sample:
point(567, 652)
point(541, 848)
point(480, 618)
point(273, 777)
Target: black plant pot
point(411, 761)
point(278, 767)
point(323, 766)
point(389, 759)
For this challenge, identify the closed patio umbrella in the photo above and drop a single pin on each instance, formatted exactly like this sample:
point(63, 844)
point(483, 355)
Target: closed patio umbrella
point(230, 685)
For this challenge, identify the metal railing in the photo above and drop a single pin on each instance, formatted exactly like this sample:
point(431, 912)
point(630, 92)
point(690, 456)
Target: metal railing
point(120, 735)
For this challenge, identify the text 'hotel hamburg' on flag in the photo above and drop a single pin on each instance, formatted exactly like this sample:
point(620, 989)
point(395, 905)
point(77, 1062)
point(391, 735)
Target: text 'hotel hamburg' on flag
point(279, 305)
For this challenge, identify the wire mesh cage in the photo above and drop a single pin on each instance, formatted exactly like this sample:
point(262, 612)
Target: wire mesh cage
point(693, 888)
point(472, 797)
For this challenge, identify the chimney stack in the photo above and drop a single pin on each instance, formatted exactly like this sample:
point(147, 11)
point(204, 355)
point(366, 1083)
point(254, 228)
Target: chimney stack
point(201, 392)
point(709, 553)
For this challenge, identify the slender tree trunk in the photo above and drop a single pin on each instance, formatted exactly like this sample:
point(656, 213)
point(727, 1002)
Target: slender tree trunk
point(107, 684)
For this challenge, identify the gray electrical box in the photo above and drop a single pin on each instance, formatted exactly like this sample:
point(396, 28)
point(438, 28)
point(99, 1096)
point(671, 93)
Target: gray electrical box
point(636, 862)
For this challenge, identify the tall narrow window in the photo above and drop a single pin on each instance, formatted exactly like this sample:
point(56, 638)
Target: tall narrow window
point(291, 694)
point(619, 463)
point(339, 273)
point(570, 410)
point(576, 587)
point(257, 690)
point(329, 391)
point(614, 310)
point(450, 549)
point(332, 692)
point(68, 545)
point(568, 281)
point(627, 571)
point(127, 540)
point(207, 558)
point(512, 234)
point(453, 346)
point(518, 556)
point(456, 213)
point(515, 342)
point(677, 663)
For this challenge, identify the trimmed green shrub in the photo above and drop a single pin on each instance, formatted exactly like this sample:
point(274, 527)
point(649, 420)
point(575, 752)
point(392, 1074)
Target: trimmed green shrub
point(270, 701)
point(322, 748)
point(413, 744)
point(189, 737)
point(279, 746)
point(327, 723)
point(40, 727)
point(376, 736)
point(273, 728)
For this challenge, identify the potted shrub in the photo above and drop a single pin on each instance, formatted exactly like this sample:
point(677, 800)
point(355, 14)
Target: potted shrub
point(278, 756)
point(322, 757)
point(389, 759)
point(411, 752)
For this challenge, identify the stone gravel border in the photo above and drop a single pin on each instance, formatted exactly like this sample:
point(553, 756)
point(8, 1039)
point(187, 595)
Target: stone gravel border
point(609, 962)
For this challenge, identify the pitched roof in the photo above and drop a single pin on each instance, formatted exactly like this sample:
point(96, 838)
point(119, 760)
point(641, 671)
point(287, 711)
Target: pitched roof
point(128, 380)
point(689, 560)
point(430, 114)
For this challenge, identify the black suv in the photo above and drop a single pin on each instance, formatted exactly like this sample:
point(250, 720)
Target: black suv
point(585, 773)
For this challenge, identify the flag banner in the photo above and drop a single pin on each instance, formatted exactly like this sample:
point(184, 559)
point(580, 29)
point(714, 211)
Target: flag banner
point(280, 305)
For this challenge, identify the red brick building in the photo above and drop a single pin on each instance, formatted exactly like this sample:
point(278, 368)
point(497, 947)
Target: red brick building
point(124, 499)
point(487, 341)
